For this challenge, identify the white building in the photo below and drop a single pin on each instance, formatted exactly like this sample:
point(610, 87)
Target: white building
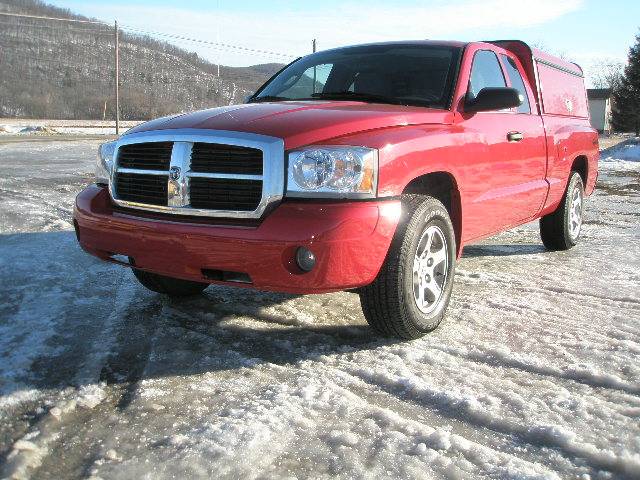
point(600, 108)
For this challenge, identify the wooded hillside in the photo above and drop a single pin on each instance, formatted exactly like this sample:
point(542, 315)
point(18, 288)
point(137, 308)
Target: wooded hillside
point(66, 70)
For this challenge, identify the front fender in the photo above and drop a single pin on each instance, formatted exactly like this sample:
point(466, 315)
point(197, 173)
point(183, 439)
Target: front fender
point(409, 152)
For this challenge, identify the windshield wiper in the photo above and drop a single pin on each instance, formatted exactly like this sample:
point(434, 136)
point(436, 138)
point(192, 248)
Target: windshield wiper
point(364, 97)
point(268, 98)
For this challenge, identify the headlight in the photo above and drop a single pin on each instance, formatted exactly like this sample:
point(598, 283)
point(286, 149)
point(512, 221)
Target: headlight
point(105, 162)
point(333, 171)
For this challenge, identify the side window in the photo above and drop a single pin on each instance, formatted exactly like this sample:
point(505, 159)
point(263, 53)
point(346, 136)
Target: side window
point(485, 72)
point(516, 82)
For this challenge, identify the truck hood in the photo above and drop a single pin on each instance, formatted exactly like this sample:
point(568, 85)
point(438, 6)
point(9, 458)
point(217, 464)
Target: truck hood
point(301, 122)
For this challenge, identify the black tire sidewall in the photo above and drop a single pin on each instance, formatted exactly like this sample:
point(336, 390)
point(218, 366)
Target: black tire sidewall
point(172, 287)
point(574, 182)
point(429, 213)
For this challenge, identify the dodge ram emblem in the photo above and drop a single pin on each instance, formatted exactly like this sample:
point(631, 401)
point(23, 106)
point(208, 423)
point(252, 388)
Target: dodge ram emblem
point(174, 173)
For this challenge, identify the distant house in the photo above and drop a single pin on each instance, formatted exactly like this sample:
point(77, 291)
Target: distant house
point(600, 108)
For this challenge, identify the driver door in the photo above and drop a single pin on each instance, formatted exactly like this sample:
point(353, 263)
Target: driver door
point(505, 162)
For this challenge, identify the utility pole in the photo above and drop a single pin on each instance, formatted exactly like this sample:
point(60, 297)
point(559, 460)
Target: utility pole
point(117, 52)
point(218, 36)
point(313, 47)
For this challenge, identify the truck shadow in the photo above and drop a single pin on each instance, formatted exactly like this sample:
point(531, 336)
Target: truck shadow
point(71, 320)
point(226, 329)
point(503, 250)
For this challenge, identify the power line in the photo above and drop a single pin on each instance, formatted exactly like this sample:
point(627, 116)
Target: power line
point(207, 42)
point(90, 31)
point(188, 45)
point(159, 34)
point(95, 22)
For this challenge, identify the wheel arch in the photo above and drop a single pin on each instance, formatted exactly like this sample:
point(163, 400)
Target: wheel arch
point(443, 186)
point(581, 165)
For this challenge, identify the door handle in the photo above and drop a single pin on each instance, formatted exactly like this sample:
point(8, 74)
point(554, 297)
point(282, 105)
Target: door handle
point(515, 136)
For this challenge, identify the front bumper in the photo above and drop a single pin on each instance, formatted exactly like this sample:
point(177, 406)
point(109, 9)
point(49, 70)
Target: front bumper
point(350, 241)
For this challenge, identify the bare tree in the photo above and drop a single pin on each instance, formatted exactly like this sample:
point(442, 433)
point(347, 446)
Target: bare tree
point(540, 45)
point(607, 73)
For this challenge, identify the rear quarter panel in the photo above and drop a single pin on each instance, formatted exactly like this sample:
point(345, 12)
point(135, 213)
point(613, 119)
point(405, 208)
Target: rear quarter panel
point(565, 112)
point(567, 139)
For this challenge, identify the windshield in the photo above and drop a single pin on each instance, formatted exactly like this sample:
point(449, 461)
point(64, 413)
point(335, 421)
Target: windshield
point(395, 73)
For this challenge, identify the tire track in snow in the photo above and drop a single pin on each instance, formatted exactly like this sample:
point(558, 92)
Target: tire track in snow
point(361, 392)
point(331, 380)
point(550, 436)
point(76, 408)
point(40, 201)
point(498, 357)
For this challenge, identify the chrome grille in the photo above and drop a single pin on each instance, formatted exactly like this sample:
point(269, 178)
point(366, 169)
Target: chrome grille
point(217, 174)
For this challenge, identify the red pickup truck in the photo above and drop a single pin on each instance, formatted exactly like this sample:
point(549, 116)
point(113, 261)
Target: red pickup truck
point(363, 168)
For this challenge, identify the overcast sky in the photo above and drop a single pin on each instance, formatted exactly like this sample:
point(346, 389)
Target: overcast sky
point(582, 30)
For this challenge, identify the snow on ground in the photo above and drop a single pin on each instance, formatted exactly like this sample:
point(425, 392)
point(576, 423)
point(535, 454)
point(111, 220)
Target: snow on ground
point(37, 129)
point(624, 155)
point(18, 126)
point(534, 373)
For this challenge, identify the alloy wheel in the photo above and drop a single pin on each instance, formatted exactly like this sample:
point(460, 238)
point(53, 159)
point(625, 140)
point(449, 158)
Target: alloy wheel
point(430, 265)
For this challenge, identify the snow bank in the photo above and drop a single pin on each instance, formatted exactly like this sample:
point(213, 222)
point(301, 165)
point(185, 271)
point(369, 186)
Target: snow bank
point(58, 130)
point(625, 155)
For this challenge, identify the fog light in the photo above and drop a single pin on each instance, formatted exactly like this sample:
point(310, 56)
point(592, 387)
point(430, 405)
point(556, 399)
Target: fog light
point(305, 259)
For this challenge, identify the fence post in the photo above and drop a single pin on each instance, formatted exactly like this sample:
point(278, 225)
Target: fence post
point(117, 92)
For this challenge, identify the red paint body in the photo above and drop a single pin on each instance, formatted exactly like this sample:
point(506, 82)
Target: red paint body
point(336, 232)
point(498, 184)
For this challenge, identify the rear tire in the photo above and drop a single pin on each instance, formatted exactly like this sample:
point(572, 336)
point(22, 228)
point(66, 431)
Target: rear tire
point(411, 293)
point(560, 230)
point(174, 287)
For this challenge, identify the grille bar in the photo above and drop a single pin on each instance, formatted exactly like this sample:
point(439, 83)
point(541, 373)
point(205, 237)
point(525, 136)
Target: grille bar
point(142, 171)
point(223, 175)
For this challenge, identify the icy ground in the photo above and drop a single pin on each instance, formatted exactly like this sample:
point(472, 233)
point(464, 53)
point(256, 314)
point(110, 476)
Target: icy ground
point(28, 127)
point(534, 374)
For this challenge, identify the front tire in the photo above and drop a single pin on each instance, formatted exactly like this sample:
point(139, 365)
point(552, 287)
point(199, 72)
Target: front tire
point(411, 293)
point(174, 287)
point(560, 230)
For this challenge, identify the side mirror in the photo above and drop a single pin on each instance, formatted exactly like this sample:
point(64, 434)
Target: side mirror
point(494, 98)
point(247, 98)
